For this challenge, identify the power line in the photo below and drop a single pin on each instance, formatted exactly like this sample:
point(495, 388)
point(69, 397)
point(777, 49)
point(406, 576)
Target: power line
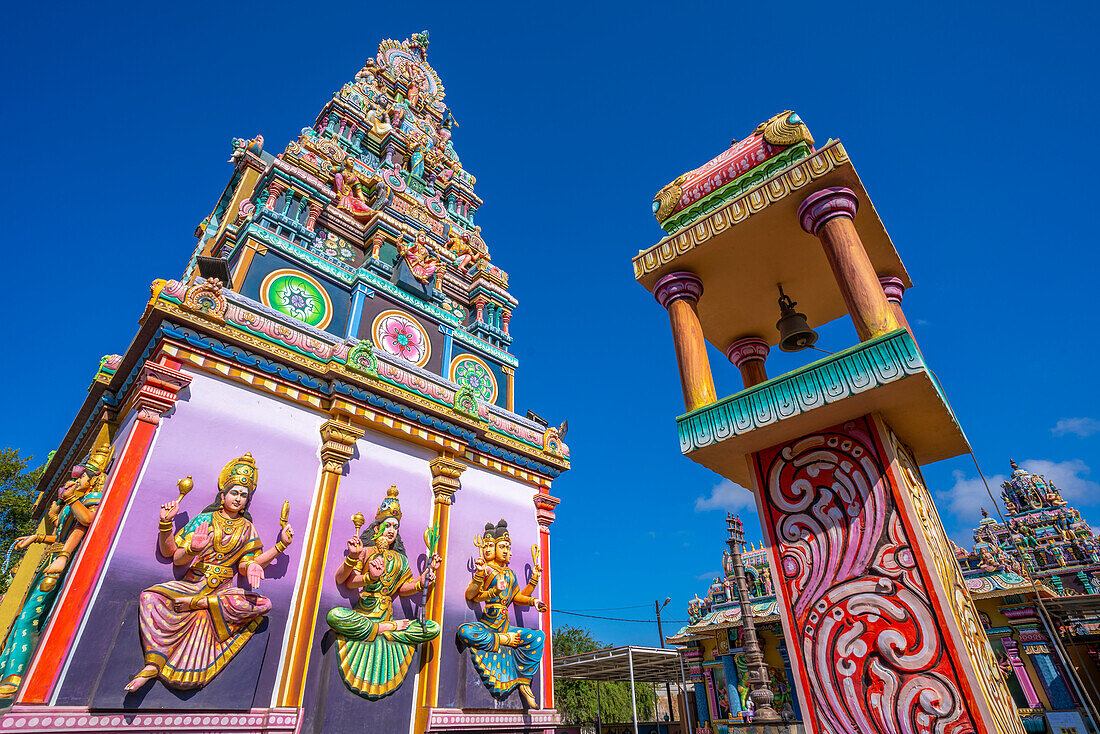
point(617, 619)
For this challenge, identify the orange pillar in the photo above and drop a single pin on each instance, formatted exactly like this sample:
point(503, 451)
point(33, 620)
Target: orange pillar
point(679, 293)
point(157, 387)
point(445, 482)
point(544, 513)
point(829, 215)
point(748, 354)
point(338, 444)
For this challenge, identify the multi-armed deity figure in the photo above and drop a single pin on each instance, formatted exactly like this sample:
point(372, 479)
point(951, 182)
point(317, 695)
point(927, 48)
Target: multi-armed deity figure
point(375, 649)
point(69, 517)
point(190, 629)
point(506, 657)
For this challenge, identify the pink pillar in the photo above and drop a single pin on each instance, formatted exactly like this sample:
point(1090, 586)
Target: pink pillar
point(505, 317)
point(314, 212)
point(747, 355)
point(1012, 648)
point(275, 188)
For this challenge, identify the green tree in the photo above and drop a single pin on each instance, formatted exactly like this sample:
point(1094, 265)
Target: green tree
point(17, 495)
point(575, 700)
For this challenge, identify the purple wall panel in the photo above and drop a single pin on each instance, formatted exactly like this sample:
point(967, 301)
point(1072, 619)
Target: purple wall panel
point(379, 462)
point(484, 497)
point(213, 422)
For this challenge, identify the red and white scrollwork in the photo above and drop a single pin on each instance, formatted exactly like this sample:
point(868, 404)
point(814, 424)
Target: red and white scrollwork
point(873, 655)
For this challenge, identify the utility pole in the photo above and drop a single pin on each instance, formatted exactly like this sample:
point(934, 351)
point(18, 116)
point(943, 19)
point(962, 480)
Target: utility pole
point(760, 692)
point(660, 633)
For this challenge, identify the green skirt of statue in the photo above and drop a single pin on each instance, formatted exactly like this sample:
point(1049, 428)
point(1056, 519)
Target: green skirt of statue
point(372, 663)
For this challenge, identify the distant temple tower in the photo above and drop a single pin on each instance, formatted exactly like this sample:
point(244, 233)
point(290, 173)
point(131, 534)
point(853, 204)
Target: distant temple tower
point(888, 638)
point(302, 500)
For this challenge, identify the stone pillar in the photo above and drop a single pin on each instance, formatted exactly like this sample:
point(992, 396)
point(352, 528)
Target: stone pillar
point(338, 439)
point(446, 474)
point(479, 304)
point(829, 216)
point(155, 391)
point(505, 317)
point(679, 293)
point(376, 245)
point(869, 592)
point(895, 290)
point(748, 354)
point(1012, 649)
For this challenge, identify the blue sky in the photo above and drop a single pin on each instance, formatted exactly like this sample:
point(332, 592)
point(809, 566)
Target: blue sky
point(971, 125)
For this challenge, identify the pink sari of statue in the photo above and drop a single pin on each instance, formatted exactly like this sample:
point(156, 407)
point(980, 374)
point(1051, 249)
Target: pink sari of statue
point(190, 647)
point(419, 259)
point(349, 188)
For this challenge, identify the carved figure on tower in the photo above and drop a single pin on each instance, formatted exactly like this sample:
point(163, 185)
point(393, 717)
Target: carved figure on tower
point(349, 186)
point(68, 520)
point(376, 650)
point(190, 629)
point(506, 657)
point(419, 258)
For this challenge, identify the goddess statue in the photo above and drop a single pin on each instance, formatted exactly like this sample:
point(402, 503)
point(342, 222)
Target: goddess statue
point(69, 516)
point(191, 629)
point(376, 650)
point(349, 187)
point(465, 254)
point(419, 258)
point(506, 657)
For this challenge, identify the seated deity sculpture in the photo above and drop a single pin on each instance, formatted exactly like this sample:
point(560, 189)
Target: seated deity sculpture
point(375, 650)
point(350, 188)
point(69, 517)
point(506, 657)
point(419, 258)
point(190, 629)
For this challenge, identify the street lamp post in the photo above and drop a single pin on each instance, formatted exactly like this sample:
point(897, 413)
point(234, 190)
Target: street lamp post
point(660, 633)
point(759, 691)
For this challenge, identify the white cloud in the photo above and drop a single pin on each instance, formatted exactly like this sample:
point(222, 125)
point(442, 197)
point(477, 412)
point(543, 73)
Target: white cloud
point(1069, 476)
point(1080, 427)
point(965, 500)
point(726, 495)
point(709, 576)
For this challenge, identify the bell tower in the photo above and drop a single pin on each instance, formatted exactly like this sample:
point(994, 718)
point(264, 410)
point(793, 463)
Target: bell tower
point(888, 638)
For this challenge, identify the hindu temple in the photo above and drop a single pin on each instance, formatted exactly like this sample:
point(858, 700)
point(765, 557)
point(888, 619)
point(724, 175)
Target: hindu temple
point(302, 499)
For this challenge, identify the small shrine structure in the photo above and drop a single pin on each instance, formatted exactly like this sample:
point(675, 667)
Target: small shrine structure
point(861, 565)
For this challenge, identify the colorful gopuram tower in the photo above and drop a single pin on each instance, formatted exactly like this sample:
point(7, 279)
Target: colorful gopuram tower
point(302, 500)
point(888, 638)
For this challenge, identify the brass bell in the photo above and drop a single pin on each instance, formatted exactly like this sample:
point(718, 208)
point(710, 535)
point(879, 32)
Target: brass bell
point(794, 333)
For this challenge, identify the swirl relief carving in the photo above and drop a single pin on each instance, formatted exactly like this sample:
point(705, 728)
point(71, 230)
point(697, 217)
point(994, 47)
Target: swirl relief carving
point(872, 649)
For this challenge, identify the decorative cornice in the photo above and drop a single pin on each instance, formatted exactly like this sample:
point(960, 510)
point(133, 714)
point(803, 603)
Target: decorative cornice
point(827, 204)
point(158, 388)
point(755, 200)
point(544, 509)
point(445, 478)
point(893, 287)
point(675, 286)
point(866, 366)
point(747, 349)
point(338, 444)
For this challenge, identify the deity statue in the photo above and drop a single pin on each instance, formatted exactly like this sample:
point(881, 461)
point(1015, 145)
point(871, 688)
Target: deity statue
point(376, 650)
point(416, 155)
point(191, 629)
point(349, 187)
point(506, 657)
point(419, 258)
point(459, 246)
point(242, 146)
point(69, 517)
point(379, 117)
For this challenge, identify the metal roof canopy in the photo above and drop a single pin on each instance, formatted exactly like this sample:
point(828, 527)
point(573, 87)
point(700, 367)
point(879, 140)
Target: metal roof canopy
point(651, 665)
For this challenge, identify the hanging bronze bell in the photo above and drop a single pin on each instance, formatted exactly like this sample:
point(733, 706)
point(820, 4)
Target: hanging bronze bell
point(795, 333)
